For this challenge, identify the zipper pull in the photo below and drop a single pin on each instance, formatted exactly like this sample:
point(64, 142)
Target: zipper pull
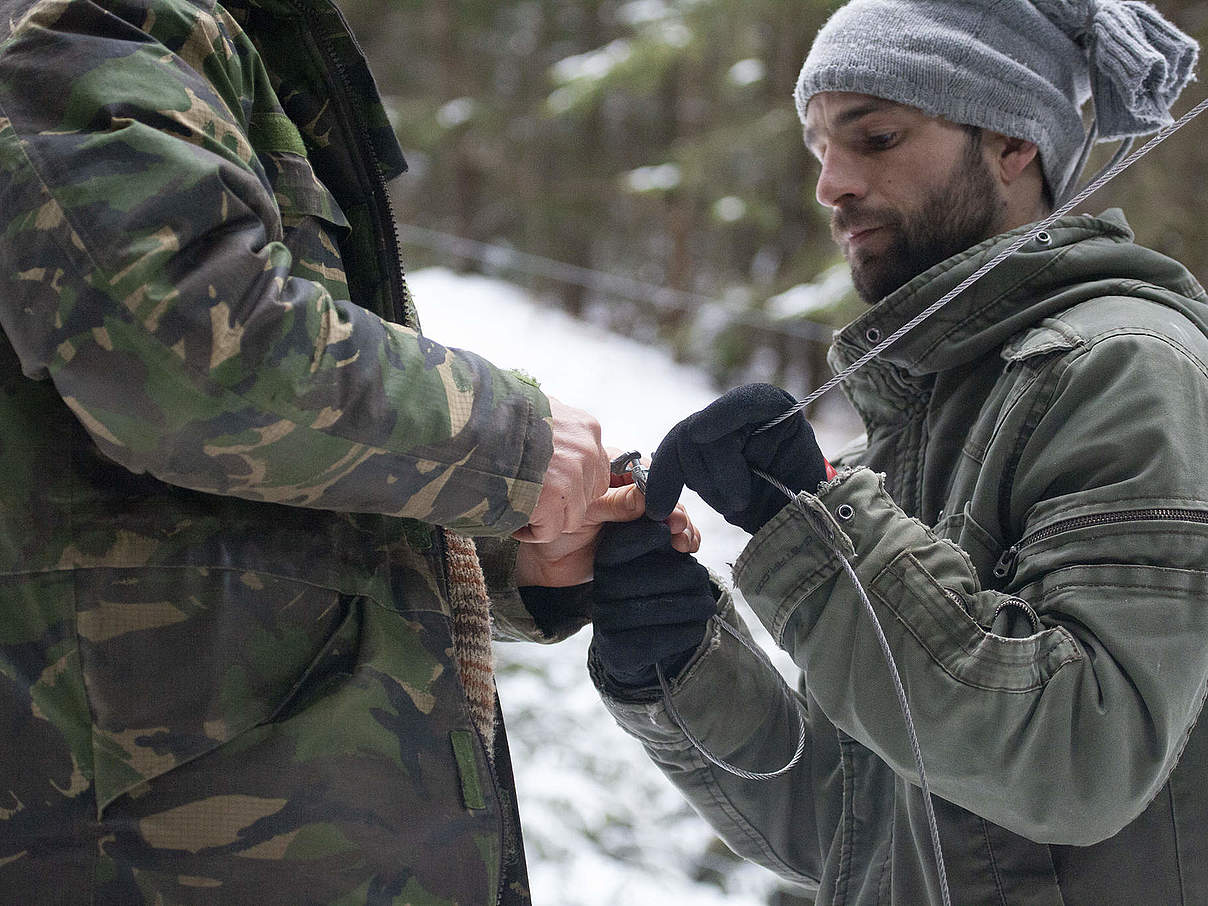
point(1004, 569)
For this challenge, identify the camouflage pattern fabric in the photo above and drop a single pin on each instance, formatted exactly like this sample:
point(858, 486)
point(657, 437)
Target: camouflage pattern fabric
point(225, 661)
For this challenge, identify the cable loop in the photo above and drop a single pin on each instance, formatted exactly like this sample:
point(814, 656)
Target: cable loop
point(673, 713)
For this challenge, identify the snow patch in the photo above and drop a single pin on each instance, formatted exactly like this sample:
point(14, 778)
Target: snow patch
point(602, 826)
point(747, 72)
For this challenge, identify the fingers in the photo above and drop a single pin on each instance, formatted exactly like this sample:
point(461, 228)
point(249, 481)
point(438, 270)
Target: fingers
point(725, 475)
point(577, 474)
point(742, 409)
point(621, 504)
point(666, 479)
point(685, 537)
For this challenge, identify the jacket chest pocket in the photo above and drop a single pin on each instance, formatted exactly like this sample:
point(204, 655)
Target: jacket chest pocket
point(969, 535)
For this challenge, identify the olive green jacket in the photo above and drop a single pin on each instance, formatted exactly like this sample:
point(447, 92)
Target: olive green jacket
point(225, 657)
point(1032, 532)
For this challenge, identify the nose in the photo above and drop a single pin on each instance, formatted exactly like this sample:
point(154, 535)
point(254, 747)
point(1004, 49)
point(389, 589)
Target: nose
point(842, 178)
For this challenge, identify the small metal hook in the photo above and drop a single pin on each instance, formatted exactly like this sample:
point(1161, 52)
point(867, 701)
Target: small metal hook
point(630, 464)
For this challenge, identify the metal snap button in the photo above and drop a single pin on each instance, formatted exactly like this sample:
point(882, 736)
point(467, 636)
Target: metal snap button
point(845, 512)
point(1043, 237)
point(873, 335)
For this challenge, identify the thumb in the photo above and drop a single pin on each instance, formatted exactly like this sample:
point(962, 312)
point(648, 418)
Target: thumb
point(623, 504)
point(666, 478)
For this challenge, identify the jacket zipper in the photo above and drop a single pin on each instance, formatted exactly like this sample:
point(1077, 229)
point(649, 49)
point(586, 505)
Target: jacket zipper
point(390, 248)
point(1004, 569)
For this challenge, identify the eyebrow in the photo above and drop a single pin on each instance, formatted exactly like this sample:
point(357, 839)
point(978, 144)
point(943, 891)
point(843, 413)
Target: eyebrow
point(851, 114)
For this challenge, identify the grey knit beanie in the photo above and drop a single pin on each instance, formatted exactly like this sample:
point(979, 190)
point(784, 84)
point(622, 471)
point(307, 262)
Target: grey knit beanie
point(1021, 68)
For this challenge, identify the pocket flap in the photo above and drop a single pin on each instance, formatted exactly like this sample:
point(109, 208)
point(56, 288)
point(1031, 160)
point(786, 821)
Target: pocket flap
point(298, 191)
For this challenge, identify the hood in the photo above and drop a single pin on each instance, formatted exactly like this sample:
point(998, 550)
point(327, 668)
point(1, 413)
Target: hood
point(1085, 257)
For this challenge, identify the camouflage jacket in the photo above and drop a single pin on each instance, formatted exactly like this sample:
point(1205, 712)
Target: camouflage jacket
point(225, 669)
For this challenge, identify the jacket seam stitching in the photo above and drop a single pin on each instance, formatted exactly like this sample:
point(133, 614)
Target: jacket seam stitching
point(846, 831)
point(1016, 394)
point(1152, 334)
point(885, 881)
point(1047, 374)
point(997, 875)
point(1178, 860)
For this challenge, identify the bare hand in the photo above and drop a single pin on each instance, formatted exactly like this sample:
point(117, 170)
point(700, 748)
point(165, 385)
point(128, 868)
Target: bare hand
point(577, 475)
point(567, 560)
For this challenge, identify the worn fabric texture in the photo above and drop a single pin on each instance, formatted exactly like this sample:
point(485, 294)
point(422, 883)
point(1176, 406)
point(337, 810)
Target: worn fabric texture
point(228, 671)
point(1029, 517)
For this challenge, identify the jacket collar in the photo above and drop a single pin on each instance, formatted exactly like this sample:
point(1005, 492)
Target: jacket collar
point(1084, 257)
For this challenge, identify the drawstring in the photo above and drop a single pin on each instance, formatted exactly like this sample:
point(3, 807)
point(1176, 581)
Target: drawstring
point(1092, 132)
point(899, 689)
point(1092, 135)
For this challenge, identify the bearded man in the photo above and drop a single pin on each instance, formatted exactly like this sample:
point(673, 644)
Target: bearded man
point(1027, 515)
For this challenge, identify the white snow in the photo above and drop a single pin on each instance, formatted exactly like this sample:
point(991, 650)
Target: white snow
point(455, 112)
point(654, 178)
point(747, 72)
point(806, 298)
point(593, 65)
point(639, 12)
point(729, 209)
point(602, 826)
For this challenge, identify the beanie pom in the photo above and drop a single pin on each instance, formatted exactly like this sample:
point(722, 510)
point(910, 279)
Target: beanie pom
point(1140, 62)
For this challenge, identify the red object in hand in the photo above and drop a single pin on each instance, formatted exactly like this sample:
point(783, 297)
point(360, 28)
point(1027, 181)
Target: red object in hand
point(830, 470)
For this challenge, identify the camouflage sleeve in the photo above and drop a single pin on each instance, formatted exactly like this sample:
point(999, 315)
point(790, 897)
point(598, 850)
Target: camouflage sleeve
point(145, 274)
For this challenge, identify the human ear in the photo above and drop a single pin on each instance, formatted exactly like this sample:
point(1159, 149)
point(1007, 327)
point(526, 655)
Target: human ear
point(1012, 156)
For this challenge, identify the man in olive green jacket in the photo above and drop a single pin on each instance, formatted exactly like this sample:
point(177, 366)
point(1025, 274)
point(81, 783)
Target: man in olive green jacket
point(244, 639)
point(1028, 515)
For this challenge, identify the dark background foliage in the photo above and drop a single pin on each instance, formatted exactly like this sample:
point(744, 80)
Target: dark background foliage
point(655, 142)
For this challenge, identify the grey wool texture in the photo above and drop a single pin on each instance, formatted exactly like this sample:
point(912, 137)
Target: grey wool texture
point(1021, 68)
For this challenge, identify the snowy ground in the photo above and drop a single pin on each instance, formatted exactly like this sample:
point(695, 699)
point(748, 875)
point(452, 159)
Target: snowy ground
point(602, 826)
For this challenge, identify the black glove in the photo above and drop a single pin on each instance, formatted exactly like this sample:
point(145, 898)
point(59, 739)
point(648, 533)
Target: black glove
point(652, 603)
point(712, 452)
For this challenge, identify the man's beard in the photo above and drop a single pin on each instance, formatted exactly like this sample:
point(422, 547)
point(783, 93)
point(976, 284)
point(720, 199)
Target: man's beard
point(950, 220)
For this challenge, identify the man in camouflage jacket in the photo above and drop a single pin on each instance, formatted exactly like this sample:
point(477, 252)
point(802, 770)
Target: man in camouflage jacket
point(229, 669)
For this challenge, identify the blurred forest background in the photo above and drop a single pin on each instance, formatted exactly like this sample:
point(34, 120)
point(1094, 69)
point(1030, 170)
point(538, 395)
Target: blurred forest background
point(640, 164)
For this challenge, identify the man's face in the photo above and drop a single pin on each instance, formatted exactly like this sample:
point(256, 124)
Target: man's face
point(906, 190)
